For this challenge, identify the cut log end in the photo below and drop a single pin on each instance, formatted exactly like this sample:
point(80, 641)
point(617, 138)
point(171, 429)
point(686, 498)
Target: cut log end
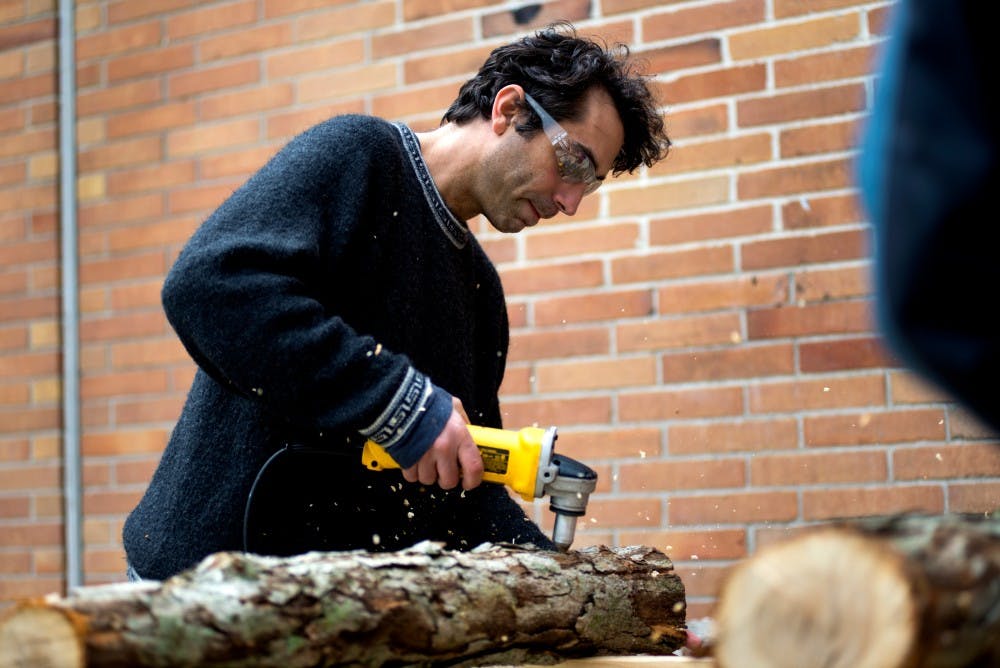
point(40, 637)
point(848, 600)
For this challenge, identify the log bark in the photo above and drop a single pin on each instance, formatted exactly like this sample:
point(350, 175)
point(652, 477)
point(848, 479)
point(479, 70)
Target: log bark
point(904, 591)
point(421, 606)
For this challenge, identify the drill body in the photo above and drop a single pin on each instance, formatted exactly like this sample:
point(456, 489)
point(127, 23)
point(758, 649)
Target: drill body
point(525, 461)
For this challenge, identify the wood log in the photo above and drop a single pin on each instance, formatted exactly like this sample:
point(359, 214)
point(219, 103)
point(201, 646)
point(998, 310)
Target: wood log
point(420, 606)
point(904, 591)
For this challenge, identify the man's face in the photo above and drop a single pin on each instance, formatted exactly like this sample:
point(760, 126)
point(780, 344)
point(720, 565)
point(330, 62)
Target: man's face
point(525, 184)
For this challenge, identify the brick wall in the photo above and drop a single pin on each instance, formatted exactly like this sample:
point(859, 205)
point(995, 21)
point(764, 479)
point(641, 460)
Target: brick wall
point(701, 331)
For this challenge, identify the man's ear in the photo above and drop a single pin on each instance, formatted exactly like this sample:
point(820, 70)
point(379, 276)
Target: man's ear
point(506, 107)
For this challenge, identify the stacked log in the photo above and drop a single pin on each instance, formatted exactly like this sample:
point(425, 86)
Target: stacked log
point(421, 606)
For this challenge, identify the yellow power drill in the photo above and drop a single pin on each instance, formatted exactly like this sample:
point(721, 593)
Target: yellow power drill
point(525, 461)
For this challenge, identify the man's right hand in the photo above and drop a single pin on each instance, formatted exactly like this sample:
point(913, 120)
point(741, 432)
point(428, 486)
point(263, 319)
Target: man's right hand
point(452, 457)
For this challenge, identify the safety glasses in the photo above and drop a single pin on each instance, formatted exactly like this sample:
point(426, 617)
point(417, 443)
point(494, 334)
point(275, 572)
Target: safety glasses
point(575, 165)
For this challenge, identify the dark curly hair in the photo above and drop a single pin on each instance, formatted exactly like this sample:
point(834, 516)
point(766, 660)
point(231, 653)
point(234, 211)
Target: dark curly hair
point(557, 68)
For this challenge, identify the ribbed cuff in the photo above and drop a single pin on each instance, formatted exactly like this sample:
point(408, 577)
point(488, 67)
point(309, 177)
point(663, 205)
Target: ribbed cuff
point(408, 450)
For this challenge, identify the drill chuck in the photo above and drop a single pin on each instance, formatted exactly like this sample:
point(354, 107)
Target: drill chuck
point(569, 492)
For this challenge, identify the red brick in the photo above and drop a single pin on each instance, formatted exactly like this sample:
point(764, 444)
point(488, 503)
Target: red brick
point(581, 240)
point(210, 137)
point(27, 420)
point(710, 84)
point(669, 59)
point(138, 93)
point(698, 121)
point(28, 364)
point(162, 117)
point(684, 545)
point(595, 374)
point(23, 144)
point(26, 88)
point(347, 82)
point(873, 428)
point(810, 104)
point(204, 198)
point(124, 442)
point(679, 332)
point(121, 210)
point(421, 9)
point(240, 163)
point(118, 40)
point(820, 211)
point(908, 387)
point(826, 318)
point(828, 175)
point(533, 345)
point(205, 79)
point(144, 411)
point(818, 285)
point(729, 437)
point(151, 235)
point(817, 139)
point(412, 101)
point(672, 264)
point(788, 8)
point(713, 154)
point(248, 40)
point(122, 267)
point(834, 392)
point(211, 19)
point(681, 404)
point(151, 62)
point(550, 277)
point(22, 34)
point(631, 512)
point(412, 39)
point(286, 125)
point(122, 327)
point(315, 58)
point(669, 476)
point(854, 353)
point(593, 307)
point(796, 36)
point(610, 442)
point(952, 460)
point(707, 226)
point(672, 196)
point(30, 478)
point(351, 18)
point(547, 412)
point(129, 10)
point(121, 153)
point(507, 21)
point(28, 308)
point(153, 177)
point(708, 18)
point(981, 497)
point(733, 508)
point(818, 468)
point(737, 292)
point(110, 503)
point(802, 70)
point(838, 503)
point(146, 353)
point(719, 364)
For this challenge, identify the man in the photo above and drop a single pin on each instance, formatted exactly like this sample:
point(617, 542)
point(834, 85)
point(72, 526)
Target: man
point(338, 296)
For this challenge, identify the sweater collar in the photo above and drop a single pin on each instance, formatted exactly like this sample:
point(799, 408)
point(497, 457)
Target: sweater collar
point(454, 229)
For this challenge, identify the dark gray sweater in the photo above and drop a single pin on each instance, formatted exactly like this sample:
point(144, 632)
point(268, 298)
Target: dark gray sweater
point(320, 301)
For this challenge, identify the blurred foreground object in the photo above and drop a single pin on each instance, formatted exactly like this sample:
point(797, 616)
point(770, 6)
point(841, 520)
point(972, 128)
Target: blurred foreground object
point(928, 173)
point(905, 591)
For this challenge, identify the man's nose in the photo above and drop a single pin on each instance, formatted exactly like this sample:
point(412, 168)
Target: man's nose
point(568, 197)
